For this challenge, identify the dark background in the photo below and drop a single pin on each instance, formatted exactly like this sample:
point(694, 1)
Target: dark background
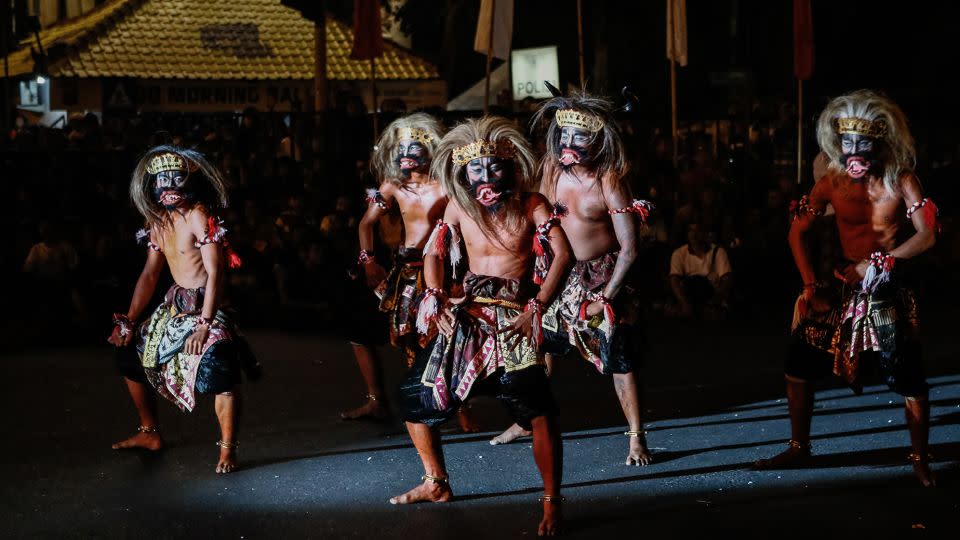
point(906, 49)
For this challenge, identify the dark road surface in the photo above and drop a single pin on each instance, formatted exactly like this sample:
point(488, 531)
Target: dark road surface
point(714, 405)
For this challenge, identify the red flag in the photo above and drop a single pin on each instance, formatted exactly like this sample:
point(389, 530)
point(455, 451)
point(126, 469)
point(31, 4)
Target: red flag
point(802, 39)
point(367, 31)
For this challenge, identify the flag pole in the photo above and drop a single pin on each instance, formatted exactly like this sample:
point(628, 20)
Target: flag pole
point(673, 81)
point(320, 91)
point(373, 89)
point(486, 84)
point(580, 42)
point(799, 129)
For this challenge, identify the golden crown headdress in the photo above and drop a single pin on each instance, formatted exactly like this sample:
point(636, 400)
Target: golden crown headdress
point(483, 148)
point(414, 133)
point(862, 126)
point(580, 120)
point(168, 161)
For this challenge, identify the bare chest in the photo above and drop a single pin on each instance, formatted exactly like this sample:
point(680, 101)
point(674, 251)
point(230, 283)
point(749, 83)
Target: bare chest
point(422, 204)
point(178, 240)
point(866, 203)
point(582, 197)
point(506, 243)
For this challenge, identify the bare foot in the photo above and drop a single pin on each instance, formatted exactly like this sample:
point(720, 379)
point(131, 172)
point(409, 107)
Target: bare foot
point(639, 454)
point(228, 461)
point(512, 433)
point(552, 516)
point(921, 469)
point(428, 491)
point(149, 441)
point(372, 410)
point(466, 421)
point(789, 458)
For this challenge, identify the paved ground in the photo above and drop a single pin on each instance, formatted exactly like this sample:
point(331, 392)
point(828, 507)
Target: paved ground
point(714, 401)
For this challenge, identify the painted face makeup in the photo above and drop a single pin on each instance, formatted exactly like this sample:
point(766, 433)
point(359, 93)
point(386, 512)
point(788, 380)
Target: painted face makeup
point(574, 147)
point(412, 157)
point(488, 179)
point(170, 188)
point(858, 154)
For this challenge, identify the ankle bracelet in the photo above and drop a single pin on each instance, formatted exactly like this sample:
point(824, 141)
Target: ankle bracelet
point(552, 498)
point(228, 445)
point(149, 429)
point(442, 480)
point(797, 445)
point(634, 433)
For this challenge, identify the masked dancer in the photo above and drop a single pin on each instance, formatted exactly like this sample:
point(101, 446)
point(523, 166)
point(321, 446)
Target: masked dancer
point(488, 337)
point(189, 343)
point(582, 173)
point(864, 317)
point(401, 161)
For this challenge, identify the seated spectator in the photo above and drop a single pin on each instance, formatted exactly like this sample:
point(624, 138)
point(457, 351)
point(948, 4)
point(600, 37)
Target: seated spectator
point(51, 260)
point(707, 209)
point(293, 216)
point(700, 275)
point(50, 266)
point(654, 261)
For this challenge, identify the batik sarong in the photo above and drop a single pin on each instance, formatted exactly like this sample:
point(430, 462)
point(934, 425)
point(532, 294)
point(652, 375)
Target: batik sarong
point(479, 354)
point(399, 294)
point(177, 376)
point(612, 346)
point(860, 332)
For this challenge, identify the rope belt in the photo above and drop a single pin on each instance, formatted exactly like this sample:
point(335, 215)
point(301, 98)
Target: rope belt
point(497, 302)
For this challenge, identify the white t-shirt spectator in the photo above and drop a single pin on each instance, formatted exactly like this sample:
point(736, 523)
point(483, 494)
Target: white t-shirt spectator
point(713, 265)
point(51, 262)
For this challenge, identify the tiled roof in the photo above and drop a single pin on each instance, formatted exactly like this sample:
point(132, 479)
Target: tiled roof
point(206, 39)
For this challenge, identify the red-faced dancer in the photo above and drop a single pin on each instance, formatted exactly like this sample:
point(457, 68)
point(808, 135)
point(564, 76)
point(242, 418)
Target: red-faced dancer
point(863, 318)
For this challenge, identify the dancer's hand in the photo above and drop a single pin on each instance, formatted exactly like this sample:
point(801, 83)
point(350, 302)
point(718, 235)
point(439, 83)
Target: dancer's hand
point(810, 301)
point(446, 317)
point(375, 274)
point(194, 343)
point(522, 324)
point(593, 309)
point(853, 273)
point(445, 321)
point(117, 340)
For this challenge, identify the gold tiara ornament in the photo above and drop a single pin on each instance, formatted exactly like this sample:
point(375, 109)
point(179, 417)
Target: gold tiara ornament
point(482, 148)
point(414, 133)
point(167, 161)
point(861, 126)
point(580, 120)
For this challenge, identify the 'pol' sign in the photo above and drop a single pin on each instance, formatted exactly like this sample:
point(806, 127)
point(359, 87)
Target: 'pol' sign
point(529, 68)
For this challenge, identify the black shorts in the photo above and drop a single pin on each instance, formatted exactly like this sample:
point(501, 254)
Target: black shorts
point(128, 363)
point(901, 370)
point(219, 370)
point(213, 377)
point(525, 393)
point(363, 323)
point(623, 354)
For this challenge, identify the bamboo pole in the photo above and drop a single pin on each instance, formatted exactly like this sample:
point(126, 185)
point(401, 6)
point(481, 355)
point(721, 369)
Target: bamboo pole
point(673, 84)
point(373, 91)
point(486, 84)
point(320, 92)
point(580, 42)
point(799, 130)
